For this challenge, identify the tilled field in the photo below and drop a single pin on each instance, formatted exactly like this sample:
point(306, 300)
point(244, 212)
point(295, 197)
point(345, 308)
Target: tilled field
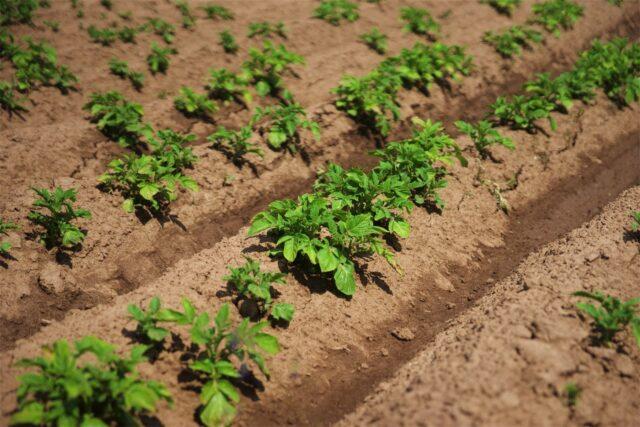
point(336, 350)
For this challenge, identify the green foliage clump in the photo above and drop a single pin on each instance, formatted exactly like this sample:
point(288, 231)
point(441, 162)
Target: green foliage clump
point(283, 124)
point(555, 15)
point(635, 221)
point(87, 385)
point(235, 144)
point(17, 11)
point(251, 285)
point(267, 29)
point(122, 70)
point(38, 63)
point(511, 41)
point(266, 68)
point(118, 119)
point(228, 42)
point(376, 40)
point(9, 101)
point(522, 112)
point(150, 181)
point(162, 28)
point(158, 59)
point(105, 36)
point(188, 20)
point(612, 315)
point(333, 11)
point(503, 6)
point(58, 229)
point(4, 228)
point(194, 104)
point(419, 21)
point(484, 135)
point(572, 392)
point(214, 11)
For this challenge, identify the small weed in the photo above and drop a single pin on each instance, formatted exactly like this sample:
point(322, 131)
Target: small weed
point(612, 316)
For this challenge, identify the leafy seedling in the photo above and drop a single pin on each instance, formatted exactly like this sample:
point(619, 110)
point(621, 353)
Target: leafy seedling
point(162, 28)
point(52, 25)
point(267, 29)
point(235, 144)
point(122, 70)
point(148, 320)
point(253, 288)
point(266, 68)
point(17, 11)
point(228, 86)
point(419, 21)
point(105, 36)
point(188, 20)
point(522, 112)
point(484, 135)
point(572, 392)
point(635, 221)
point(612, 315)
point(558, 91)
point(228, 42)
point(511, 41)
point(171, 148)
point(376, 40)
point(214, 11)
point(59, 231)
point(333, 11)
point(283, 123)
point(158, 59)
point(88, 385)
point(5, 227)
point(191, 103)
point(555, 15)
point(9, 100)
point(503, 6)
point(39, 63)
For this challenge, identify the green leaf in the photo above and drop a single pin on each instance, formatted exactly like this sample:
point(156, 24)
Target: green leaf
point(32, 413)
point(139, 396)
point(401, 228)
point(344, 278)
point(268, 343)
point(327, 260)
point(128, 205)
point(283, 311)
point(148, 191)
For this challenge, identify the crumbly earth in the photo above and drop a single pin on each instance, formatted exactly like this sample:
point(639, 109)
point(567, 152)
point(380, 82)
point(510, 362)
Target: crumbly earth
point(508, 360)
point(336, 350)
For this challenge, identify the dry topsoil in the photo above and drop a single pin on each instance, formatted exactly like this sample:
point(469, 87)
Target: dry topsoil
point(336, 350)
point(508, 360)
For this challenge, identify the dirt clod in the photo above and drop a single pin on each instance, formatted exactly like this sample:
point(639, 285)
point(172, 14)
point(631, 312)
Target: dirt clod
point(403, 334)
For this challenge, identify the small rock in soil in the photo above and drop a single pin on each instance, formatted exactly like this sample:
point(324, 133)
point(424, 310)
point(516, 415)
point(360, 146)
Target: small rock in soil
point(592, 256)
point(403, 334)
point(624, 365)
point(450, 306)
point(53, 280)
point(384, 352)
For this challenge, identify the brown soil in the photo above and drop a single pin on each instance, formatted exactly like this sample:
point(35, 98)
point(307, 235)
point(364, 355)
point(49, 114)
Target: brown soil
point(563, 180)
point(508, 360)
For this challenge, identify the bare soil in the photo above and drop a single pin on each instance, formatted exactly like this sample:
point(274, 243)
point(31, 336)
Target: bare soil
point(336, 350)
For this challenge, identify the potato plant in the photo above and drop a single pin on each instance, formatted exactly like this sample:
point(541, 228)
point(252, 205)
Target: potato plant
point(282, 125)
point(158, 59)
point(9, 100)
point(252, 288)
point(484, 135)
point(188, 20)
point(5, 227)
point(147, 320)
point(266, 68)
point(556, 15)
point(511, 41)
point(162, 28)
point(17, 11)
point(228, 86)
point(635, 221)
point(122, 70)
point(556, 91)
point(611, 316)
point(59, 231)
point(334, 11)
point(171, 147)
point(85, 384)
point(235, 144)
point(191, 103)
point(38, 63)
point(419, 21)
point(105, 36)
point(214, 11)
point(118, 119)
point(267, 29)
point(522, 112)
point(376, 40)
point(503, 6)
point(228, 42)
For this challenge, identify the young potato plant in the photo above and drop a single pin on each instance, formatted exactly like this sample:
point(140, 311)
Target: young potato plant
point(419, 21)
point(612, 316)
point(267, 29)
point(370, 100)
point(127, 34)
point(122, 70)
point(105, 36)
point(58, 228)
point(17, 11)
point(314, 232)
point(235, 144)
point(147, 327)
point(162, 28)
point(555, 15)
point(253, 287)
point(158, 59)
point(556, 91)
point(333, 11)
point(9, 101)
point(511, 41)
point(376, 40)
point(214, 11)
point(191, 103)
point(39, 63)
point(87, 384)
point(53, 25)
point(522, 112)
point(4, 228)
point(118, 119)
point(384, 197)
point(503, 6)
point(283, 124)
point(635, 221)
point(228, 42)
point(228, 86)
point(267, 66)
point(188, 20)
point(484, 135)
point(170, 147)
point(420, 160)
